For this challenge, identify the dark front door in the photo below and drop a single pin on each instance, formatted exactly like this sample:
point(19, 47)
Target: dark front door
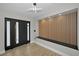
point(10, 32)
point(22, 32)
point(16, 33)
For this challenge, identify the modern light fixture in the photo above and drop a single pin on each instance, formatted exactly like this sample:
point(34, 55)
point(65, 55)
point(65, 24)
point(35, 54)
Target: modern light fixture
point(34, 8)
point(59, 14)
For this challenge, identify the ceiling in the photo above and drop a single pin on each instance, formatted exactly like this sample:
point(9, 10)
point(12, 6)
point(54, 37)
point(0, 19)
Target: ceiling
point(48, 8)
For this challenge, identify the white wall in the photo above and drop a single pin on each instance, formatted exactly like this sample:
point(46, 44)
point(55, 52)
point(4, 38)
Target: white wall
point(33, 27)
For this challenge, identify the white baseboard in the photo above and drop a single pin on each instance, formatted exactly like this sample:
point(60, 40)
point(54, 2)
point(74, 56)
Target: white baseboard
point(62, 50)
point(2, 52)
point(60, 53)
point(32, 41)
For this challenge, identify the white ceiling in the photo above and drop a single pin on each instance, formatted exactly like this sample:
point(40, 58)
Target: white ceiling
point(48, 8)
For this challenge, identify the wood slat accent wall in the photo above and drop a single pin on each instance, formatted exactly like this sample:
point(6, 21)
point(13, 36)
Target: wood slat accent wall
point(44, 28)
point(60, 28)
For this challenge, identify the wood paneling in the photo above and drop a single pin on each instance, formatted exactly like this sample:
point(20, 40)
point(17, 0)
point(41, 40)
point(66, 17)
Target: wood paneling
point(44, 28)
point(60, 28)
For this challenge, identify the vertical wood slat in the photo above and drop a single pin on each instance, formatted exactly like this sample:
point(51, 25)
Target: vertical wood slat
point(59, 28)
point(44, 28)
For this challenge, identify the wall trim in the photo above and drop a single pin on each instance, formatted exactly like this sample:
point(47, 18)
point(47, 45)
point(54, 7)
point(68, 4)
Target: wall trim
point(61, 43)
point(62, 50)
point(47, 47)
point(2, 52)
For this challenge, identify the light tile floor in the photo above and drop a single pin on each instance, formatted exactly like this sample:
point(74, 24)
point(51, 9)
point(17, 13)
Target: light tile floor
point(30, 49)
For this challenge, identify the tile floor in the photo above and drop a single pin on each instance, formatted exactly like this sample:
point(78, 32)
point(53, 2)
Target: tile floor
point(30, 49)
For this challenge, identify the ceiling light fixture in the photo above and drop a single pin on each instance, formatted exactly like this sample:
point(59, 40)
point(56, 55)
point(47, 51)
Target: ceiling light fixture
point(59, 14)
point(34, 8)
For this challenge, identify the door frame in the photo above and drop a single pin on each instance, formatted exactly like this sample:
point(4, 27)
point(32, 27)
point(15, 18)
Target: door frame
point(9, 19)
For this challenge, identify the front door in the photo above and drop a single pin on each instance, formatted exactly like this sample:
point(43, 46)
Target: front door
point(17, 32)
